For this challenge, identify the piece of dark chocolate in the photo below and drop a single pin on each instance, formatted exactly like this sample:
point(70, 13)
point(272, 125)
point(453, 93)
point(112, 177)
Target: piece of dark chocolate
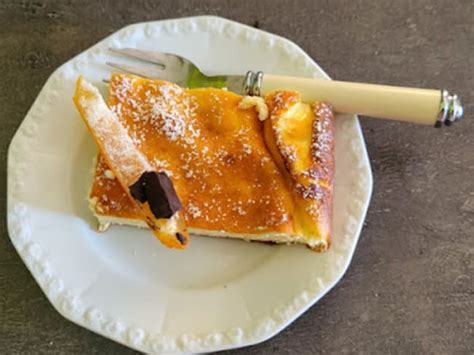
point(181, 238)
point(137, 190)
point(157, 188)
point(161, 195)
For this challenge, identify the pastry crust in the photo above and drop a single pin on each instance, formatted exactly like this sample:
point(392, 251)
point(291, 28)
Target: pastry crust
point(301, 139)
point(229, 181)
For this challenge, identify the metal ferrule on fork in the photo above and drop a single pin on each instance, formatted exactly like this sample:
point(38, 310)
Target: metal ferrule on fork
point(450, 109)
point(253, 83)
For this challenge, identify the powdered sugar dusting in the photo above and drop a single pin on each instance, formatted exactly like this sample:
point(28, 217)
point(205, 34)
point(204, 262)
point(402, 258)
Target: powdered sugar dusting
point(113, 136)
point(217, 156)
point(322, 136)
point(193, 210)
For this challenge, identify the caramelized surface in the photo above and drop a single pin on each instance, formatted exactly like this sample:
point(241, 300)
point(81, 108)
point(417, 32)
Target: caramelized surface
point(232, 172)
point(214, 152)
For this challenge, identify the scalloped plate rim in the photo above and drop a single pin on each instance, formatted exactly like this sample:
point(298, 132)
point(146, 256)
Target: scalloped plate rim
point(72, 316)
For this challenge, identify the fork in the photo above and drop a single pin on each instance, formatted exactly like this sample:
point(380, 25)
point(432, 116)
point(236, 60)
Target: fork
point(422, 106)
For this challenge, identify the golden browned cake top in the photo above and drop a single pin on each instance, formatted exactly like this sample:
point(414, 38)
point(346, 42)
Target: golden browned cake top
point(214, 152)
point(233, 173)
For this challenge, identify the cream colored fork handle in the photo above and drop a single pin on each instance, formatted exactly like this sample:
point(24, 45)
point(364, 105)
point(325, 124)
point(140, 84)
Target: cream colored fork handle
point(390, 102)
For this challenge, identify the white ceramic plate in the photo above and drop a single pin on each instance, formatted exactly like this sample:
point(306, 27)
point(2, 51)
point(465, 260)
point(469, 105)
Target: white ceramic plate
point(123, 284)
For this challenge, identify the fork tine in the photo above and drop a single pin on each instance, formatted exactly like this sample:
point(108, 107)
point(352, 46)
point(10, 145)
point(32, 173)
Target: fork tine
point(156, 65)
point(132, 70)
point(147, 56)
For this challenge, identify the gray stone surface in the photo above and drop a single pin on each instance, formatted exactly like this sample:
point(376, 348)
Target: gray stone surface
point(410, 287)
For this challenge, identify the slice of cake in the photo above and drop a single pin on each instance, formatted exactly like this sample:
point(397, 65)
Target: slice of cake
point(237, 172)
point(150, 192)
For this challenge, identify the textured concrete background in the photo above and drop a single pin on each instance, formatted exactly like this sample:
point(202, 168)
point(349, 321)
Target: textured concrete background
point(410, 288)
